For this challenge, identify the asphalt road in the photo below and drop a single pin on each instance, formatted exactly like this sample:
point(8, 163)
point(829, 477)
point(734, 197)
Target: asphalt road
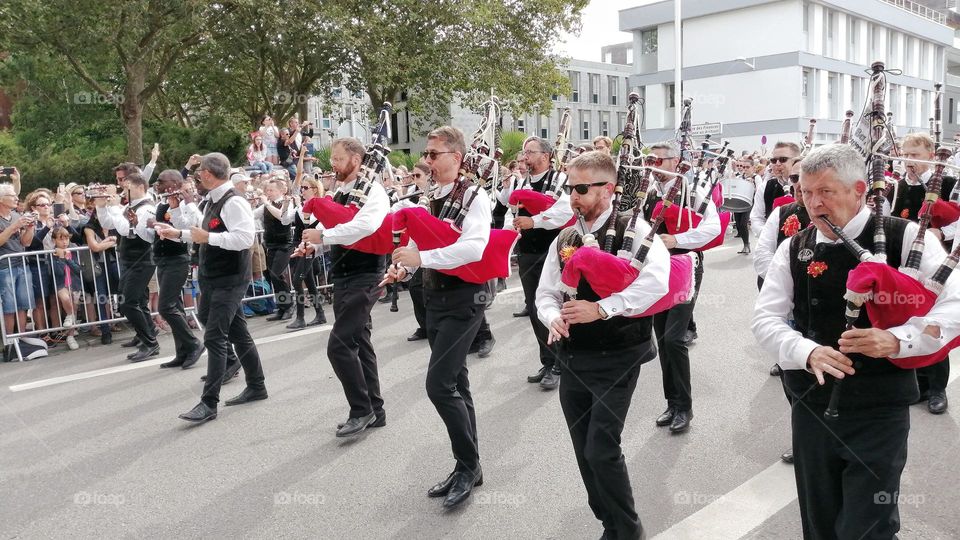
point(101, 454)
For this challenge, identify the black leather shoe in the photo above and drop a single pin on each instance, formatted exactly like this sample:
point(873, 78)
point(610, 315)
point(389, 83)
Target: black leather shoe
point(106, 339)
point(539, 375)
point(355, 426)
point(486, 347)
point(461, 486)
point(176, 362)
point(278, 316)
point(681, 421)
point(418, 335)
point(135, 342)
point(689, 337)
point(775, 370)
point(199, 414)
point(522, 313)
point(443, 487)
point(937, 404)
point(297, 324)
point(667, 417)
point(550, 380)
point(193, 358)
point(321, 318)
point(381, 421)
point(247, 396)
point(787, 457)
point(144, 353)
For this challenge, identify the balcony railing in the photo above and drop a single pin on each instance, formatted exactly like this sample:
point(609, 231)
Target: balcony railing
point(921, 10)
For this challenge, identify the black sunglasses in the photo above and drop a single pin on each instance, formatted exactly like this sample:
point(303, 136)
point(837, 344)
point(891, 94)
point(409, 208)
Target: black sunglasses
point(582, 189)
point(781, 159)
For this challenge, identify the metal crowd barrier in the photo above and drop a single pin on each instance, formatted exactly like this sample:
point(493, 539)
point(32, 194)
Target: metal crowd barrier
point(100, 294)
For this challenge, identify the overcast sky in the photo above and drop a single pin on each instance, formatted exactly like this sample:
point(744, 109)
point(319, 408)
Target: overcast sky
point(600, 27)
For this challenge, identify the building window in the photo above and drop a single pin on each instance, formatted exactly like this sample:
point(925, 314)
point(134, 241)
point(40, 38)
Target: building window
point(829, 33)
point(833, 95)
point(594, 88)
point(856, 92)
point(586, 130)
point(585, 124)
point(574, 86)
point(925, 60)
point(648, 41)
point(622, 121)
point(555, 97)
point(950, 111)
point(891, 48)
point(613, 84)
point(543, 133)
point(873, 40)
point(911, 65)
point(325, 123)
point(926, 111)
point(521, 127)
point(605, 128)
point(894, 101)
point(852, 40)
point(670, 96)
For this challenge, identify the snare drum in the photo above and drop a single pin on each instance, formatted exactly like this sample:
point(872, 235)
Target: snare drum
point(738, 194)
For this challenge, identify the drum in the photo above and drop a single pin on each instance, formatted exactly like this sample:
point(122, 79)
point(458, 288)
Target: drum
point(738, 194)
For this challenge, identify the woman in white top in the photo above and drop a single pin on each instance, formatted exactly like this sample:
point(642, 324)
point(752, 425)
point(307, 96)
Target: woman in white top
point(270, 133)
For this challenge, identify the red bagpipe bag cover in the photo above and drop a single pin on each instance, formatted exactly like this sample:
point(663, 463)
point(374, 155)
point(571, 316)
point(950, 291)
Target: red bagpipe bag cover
point(429, 232)
point(534, 202)
point(689, 219)
point(330, 214)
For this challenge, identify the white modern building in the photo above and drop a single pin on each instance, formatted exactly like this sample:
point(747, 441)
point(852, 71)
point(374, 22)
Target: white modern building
point(345, 115)
point(765, 67)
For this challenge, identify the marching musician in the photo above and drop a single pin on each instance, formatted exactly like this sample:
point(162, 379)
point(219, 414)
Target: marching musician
point(225, 235)
point(173, 269)
point(454, 307)
point(847, 468)
point(745, 170)
point(277, 214)
point(671, 326)
point(600, 346)
point(356, 276)
point(136, 264)
point(536, 233)
point(774, 186)
point(910, 195)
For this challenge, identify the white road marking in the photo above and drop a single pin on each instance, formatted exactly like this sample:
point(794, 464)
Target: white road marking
point(42, 383)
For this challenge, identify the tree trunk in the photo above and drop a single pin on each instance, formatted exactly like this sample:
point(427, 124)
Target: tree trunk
point(132, 112)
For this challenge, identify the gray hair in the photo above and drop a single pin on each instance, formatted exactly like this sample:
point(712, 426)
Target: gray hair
point(669, 146)
point(216, 164)
point(846, 162)
point(542, 143)
point(7, 189)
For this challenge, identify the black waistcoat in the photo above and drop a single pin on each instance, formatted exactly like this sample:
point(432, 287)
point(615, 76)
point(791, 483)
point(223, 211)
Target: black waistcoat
point(818, 311)
point(910, 198)
point(537, 241)
point(222, 267)
point(132, 248)
point(771, 191)
point(434, 279)
point(275, 233)
point(167, 248)
point(348, 262)
point(787, 210)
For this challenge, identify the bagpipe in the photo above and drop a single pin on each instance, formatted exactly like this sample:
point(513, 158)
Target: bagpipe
point(434, 232)
point(582, 257)
point(873, 283)
point(535, 202)
point(331, 213)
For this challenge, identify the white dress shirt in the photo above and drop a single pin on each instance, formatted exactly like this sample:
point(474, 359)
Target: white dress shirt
point(705, 231)
point(758, 213)
point(473, 238)
point(237, 217)
point(647, 289)
point(286, 218)
point(186, 215)
point(114, 217)
point(367, 220)
point(774, 305)
point(767, 243)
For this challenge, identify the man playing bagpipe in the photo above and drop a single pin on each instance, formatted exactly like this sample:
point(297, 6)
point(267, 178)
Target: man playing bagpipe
point(848, 465)
point(601, 341)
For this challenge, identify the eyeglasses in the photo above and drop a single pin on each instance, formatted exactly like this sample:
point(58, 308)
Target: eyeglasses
point(433, 154)
point(658, 161)
point(41, 205)
point(525, 152)
point(781, 159)
point(582, 189)
point(794, 178)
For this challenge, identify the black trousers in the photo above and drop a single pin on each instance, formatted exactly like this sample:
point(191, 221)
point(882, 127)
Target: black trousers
point(134, 278)
point(742, 221)
point(220, 311)
point(416, 297)
point(278, 258)
point(453, 319)
point(350, 348)
point(172, 273)
point(848, 470)
point(595, 405)
point(301, 273)
point(530, 266)
point(670, 328)
point(934, 378)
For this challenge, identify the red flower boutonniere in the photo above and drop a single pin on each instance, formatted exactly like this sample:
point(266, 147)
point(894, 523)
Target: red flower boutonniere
point(815, 268)
point(791, 226)
point(214, 223)
point(905, 213)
